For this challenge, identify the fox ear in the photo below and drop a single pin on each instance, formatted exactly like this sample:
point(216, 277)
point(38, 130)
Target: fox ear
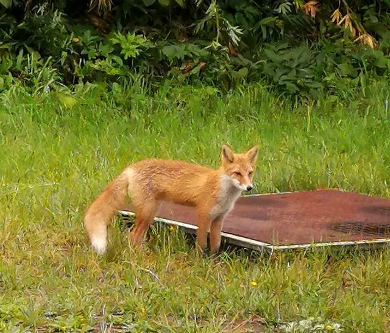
point(252, 154)
point(227, 154)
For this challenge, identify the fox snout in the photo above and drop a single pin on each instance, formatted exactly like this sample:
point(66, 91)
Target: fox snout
point(247, 183)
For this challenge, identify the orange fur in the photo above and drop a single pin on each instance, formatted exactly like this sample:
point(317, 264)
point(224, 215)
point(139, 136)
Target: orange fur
point(151, 181)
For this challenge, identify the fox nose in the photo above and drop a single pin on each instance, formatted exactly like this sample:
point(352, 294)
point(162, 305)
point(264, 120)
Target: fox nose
point(249, 187)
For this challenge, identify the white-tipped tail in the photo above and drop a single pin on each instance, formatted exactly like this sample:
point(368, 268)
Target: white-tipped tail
point(99, 244)
point(97, 231)
point(100, 212)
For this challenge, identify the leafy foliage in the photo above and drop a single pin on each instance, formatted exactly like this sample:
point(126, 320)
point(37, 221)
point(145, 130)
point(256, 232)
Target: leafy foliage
point(291, 69)
point(130, 44)
point(299, 47)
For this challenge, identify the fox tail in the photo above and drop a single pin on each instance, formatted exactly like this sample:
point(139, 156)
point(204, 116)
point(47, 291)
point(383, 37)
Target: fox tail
point(103, 208)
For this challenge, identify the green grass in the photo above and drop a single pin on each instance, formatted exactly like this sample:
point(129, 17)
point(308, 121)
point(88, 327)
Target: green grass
point(55, 157)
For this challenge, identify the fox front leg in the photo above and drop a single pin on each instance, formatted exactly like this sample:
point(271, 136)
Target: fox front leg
point(215, 234)
point(204, 223)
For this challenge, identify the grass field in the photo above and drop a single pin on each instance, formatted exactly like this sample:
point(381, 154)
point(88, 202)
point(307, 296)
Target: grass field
point(58, 151)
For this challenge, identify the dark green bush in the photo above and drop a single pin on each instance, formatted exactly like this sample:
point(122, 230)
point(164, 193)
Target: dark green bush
point(298, 47)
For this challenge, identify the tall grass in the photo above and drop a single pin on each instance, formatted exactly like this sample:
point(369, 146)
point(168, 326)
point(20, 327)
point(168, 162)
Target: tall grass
point(58, 150)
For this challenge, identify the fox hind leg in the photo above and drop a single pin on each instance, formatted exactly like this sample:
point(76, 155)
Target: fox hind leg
point(144, 216)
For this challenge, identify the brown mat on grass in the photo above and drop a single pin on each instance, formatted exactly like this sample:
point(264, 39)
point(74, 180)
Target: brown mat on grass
point(298, 219)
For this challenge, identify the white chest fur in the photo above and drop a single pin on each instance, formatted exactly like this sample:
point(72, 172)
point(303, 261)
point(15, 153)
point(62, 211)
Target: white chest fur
point(228, 194)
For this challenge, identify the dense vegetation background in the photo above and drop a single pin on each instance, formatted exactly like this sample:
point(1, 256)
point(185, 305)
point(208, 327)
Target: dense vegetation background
point(295, 46)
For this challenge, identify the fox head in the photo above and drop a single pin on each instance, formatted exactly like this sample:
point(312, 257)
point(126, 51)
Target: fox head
point(240, 167)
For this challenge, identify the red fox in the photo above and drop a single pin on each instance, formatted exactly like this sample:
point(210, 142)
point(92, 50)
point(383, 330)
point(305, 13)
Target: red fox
point(149, 182)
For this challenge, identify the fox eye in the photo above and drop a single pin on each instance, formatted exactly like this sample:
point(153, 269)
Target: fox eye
point(250, 174)
point(237, 174)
